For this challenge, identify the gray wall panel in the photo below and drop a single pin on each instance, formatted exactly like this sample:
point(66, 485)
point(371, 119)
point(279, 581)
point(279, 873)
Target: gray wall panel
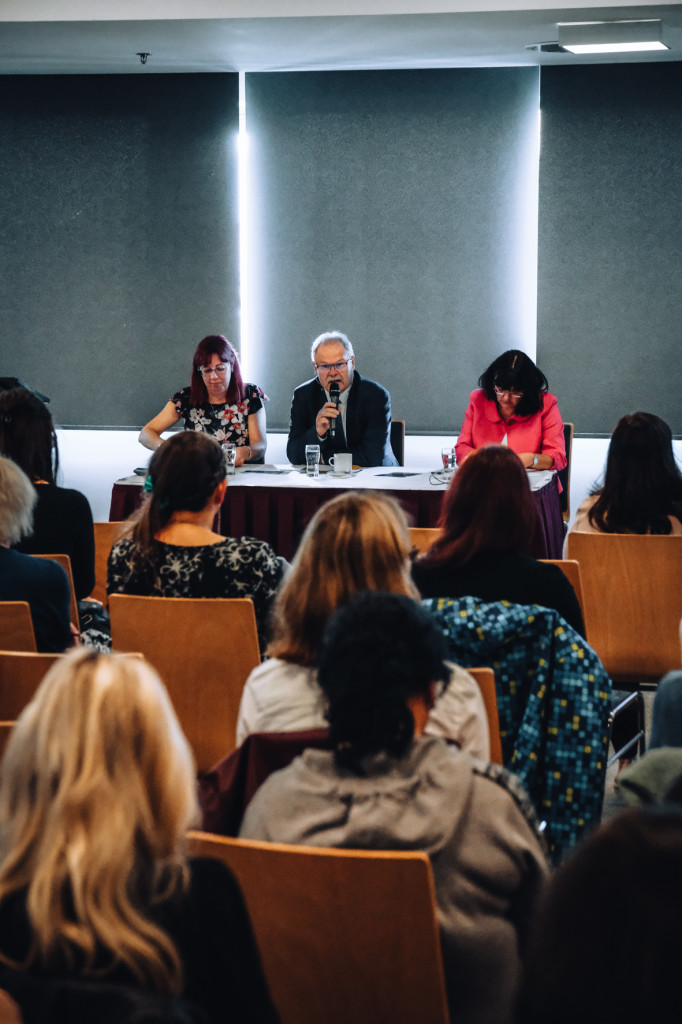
point(610, 244)
point(118, 243)
point(398, 207)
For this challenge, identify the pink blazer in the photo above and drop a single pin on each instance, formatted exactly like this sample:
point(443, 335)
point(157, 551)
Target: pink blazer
point(542, 432)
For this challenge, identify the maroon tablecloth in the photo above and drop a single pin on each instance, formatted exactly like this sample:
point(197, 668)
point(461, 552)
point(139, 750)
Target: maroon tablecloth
point(279, 514)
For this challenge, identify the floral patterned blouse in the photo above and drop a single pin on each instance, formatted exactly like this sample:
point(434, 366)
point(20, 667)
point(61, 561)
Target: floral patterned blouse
point(227, 423)
point(235, 567)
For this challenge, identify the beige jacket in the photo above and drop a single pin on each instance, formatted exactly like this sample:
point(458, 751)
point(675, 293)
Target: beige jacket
point(281, 697)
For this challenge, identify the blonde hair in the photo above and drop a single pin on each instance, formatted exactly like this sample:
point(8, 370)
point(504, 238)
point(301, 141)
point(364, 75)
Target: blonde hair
point(96, 792)
point(17, 501)
point(356, 542)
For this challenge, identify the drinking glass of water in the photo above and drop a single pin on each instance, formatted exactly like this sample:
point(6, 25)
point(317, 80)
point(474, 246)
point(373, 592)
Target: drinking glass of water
point(312, 459)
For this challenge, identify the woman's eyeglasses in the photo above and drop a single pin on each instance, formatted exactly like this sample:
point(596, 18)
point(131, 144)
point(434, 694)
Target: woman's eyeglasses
point(507, 391)
point(218, 369)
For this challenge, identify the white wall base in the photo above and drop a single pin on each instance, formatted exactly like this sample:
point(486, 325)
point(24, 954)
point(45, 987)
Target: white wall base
point(91, 460)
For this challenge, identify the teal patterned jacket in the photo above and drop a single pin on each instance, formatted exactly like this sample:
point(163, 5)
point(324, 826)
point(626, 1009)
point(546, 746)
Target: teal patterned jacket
point(553, 698)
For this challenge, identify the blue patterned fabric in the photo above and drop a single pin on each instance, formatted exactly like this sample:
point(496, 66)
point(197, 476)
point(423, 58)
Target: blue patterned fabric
point(552, 700)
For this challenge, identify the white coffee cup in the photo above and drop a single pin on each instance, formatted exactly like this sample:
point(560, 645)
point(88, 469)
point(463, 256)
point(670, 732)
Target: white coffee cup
point(341, 463)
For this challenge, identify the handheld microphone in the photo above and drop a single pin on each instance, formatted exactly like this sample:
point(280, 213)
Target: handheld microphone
point(334, 393)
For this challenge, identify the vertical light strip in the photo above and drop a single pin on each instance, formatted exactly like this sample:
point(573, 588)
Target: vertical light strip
point(242, 185)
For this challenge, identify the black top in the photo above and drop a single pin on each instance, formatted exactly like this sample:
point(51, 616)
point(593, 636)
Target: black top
point(503, 576)
point(46, 588)
point(62, 525)
point(212, 933)
point(368, 424)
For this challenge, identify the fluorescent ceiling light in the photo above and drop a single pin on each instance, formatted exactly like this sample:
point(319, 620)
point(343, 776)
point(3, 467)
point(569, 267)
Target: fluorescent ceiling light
point(612, 36)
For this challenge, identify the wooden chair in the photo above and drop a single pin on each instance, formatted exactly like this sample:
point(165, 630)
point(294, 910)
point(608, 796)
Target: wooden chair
point(571, 570)
point(21, 673)
point(565, 474)
point(485, 678)
point(632, 593)
point(344, 935)
point(16, 627)
point(203, 649)
point(422, 537)
point(105, 535)
point(397, 437)
point(65, 563)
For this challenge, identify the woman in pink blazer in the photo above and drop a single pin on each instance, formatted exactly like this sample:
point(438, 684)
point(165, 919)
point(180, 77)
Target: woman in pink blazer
point(513, 407)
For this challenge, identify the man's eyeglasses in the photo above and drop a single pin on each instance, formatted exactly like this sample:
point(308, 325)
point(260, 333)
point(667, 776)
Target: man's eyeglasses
point(328, 367)
point(218, 369)
point(506, 391)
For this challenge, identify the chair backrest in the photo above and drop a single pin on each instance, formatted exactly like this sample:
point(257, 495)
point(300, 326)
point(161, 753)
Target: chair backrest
point(16, 627)
point(422, 537)
point(485, 678)
point(65, 562)
point(344, 935)
point(632, 591)
point(105, 535)
point(571, 570)
point(204, 650)
point(21, 673)
point(565, 474)
point(398, 440)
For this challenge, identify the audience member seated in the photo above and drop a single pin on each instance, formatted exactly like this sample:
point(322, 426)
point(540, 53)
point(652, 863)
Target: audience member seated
point(23, 578)
point(96, 794)
point(642, 490)
point(512, 406)
point(170, 549)
point(606, 943)
point(217, 402)
point(387, 786)
point(358, 541)
point(62, 520)
point(487, 522)
point(648, 779)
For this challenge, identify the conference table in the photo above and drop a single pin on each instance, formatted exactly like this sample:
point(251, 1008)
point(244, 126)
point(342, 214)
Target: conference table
point(275, 503)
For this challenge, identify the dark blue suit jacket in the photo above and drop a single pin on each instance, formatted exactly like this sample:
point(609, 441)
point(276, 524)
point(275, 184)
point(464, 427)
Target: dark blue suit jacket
point(368, 424)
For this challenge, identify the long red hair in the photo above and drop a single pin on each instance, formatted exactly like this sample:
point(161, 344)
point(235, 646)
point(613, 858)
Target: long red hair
point(488, 507)
point(216, 344)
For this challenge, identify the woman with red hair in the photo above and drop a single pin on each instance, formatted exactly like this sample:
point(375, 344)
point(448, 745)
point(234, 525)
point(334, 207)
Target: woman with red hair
point(217, 402)
point(486, 527)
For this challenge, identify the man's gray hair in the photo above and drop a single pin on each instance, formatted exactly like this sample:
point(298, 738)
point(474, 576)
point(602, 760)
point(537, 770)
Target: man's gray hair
point(331, 336)
point(17, 500)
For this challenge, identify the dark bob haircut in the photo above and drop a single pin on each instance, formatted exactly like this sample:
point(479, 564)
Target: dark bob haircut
point(642, 482)
point(216, 344)
point(488, 507)
point(606, 943)
point(516, 371)
point(27, 434)
point(377, 651)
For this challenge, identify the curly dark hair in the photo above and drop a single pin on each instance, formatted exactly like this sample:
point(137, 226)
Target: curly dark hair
point(517, 372)
point(377, 651)
point(642, 482)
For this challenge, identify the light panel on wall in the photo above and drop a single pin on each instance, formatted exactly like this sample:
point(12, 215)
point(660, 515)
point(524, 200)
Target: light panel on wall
point(584, 37)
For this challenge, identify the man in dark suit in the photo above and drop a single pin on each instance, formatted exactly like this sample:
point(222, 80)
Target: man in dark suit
point(362, 418)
